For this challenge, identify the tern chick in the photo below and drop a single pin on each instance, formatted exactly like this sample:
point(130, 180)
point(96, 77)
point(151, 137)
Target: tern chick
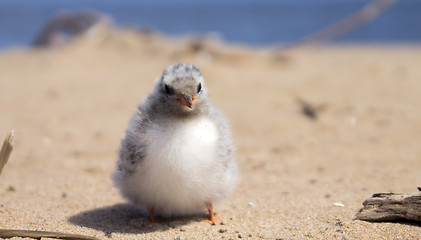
point(177, 155)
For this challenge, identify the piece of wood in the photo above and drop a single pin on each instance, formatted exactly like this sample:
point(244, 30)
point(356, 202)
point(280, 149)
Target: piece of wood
point(10, 233)
point(6, 149)
point(391, 207)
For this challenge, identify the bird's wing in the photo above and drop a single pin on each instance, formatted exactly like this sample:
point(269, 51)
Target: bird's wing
point(225, 145)
point(134, 146)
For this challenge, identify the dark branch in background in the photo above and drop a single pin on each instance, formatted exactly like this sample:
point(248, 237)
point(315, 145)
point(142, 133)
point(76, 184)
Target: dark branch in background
point(355, 20)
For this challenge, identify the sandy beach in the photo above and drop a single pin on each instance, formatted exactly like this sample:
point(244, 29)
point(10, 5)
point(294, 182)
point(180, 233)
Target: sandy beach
point(302, 177)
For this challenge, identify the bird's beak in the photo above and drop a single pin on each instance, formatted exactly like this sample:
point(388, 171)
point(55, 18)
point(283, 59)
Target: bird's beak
point(186, 101)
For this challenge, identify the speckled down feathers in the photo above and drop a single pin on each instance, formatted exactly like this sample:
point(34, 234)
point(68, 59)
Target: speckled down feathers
point(174, 158)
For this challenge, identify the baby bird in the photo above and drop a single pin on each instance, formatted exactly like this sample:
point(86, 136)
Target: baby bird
point(177, 155)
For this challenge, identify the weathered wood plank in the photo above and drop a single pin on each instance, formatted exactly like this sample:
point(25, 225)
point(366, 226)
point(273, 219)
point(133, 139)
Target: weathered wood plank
point(11, 233)
point(391, 207)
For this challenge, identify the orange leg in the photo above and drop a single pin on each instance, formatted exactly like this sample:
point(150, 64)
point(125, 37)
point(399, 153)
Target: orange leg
point(151, 211)
point(212, 220)
point(152, 215)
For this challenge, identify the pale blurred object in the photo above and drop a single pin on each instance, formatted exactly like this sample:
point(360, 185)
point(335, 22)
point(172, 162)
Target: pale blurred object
point(366, 14)
point(6, 149)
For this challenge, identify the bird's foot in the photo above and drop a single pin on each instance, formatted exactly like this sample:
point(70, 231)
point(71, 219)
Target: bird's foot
point(152, 218)
point(155, 223)
point(212, 220)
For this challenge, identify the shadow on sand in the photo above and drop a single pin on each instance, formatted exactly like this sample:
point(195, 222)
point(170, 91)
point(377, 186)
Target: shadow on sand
point(126, 218)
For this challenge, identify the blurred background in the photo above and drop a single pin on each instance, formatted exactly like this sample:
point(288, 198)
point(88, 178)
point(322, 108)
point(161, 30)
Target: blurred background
point(264, 22)
point(317, 129)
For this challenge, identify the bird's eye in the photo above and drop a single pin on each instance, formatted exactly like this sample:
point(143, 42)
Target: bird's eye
point(199, 87)
point(168, 90)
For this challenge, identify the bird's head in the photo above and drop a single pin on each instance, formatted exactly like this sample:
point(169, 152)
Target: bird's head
point(181, 87)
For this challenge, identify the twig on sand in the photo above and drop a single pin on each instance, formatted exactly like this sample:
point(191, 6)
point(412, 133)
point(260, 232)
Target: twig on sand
point(10, 233)
point(310, 110)
point(6, 149)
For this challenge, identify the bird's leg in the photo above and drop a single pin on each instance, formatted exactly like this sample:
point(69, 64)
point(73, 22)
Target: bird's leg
point(212, 220)
point(151, 211)
point(151, 215)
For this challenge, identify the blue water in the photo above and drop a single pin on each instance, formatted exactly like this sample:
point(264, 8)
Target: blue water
point(260, 22)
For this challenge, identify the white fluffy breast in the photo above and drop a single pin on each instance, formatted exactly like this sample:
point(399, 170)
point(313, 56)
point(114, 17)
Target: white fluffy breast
point(202, 130)
point(183, 142)
point(180, 172)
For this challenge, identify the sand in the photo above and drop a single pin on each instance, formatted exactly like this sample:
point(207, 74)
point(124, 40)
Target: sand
point(301, 177)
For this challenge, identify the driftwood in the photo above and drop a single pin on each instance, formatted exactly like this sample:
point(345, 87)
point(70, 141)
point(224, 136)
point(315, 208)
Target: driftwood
point(391, 207)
